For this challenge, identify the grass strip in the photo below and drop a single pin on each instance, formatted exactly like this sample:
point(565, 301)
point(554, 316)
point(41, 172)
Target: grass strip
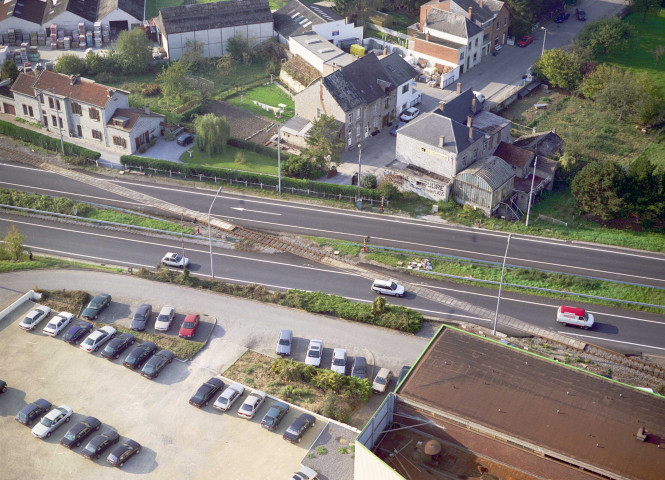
point(39, 262)
point(183, 349)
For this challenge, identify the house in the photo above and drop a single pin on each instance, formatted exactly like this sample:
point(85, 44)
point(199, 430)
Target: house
point(485, 185)
point(295, 130)
point(212, 25)
point(80, 108)
point(319, 52)
point(24, 15)
point(404, 76)
point(297, 17)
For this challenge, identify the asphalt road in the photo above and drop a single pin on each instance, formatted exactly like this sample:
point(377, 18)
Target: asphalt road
point(591, 260)
point(625, 331)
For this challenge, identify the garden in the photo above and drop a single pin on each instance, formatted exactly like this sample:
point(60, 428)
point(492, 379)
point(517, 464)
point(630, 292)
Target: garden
point(271, 96)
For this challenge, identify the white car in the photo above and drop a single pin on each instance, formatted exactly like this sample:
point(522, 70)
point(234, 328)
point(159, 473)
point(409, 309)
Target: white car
point(175, 260)
point(51, 421)
point(58, 323)
point(228, 397)
point(305, 473)
point(388, 287)
point(165, 318)
point(251, 404)
point(33, 318)
point(98, 338)
point(338, 363)
point(382, 380)
point(314, 353)
point(409, 114)
point(479, 96)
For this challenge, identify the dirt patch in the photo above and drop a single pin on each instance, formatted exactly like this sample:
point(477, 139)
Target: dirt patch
point(521, 112)
point(243, 124)
point(71, 301)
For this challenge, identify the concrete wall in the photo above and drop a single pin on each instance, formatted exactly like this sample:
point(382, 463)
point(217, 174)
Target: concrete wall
point(410, 98)
point(145, 124)
point(338, 30)
point(119, 15)
point(310, 57)
point(20, 100)
point(19, 24)
point(67, 21)
point(30, 295)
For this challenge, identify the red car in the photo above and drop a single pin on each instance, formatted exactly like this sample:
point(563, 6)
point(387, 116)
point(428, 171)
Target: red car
point(189, 325)
point(524, 41)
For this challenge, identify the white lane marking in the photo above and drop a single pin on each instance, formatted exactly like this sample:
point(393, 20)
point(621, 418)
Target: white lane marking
point(67, 193)
point(611, 340)
point(242, 209)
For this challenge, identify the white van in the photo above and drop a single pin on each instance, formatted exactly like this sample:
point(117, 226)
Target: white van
point(574, 316)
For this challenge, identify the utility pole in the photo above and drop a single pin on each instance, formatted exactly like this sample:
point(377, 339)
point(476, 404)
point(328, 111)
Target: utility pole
point(279, 157)
point(360, 151)
point(544, 38)
point(498, 300)
point(533, 179)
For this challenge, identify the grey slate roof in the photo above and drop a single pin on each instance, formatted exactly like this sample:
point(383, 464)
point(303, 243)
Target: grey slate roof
point(459, 107)
point(398, 69)
point(28, 10)
point(493, 170)
point(134, 7)
point(296, 17)
point(295, 124)
point(204, 16)
point(86, 9)
point(428, 128)
point(452, 23)
point(343, 91)
point(480, 14)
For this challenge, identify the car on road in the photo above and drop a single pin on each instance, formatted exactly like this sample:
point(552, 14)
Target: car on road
point(141, 317)
point(96, 305)
point(80, 432)
point(581, 14)
point(228, 397)
point(480, 97)
point(120, 454)
point(119, 344)
point(388, 287)
point(138, 355)
point(274, 415)
point(393, 131)
point(299, 427)
point(284, 340)
point(185, 139)
point(34, 318)
point(205, 392)
point(409, 114)
point(251, 404)
point(338, 363)
point(32, 411)
point(359, 369)
point(574, 316)
point(157, 363)
point(525, 41)
point(172, 259)
point(51, 421)
point(305, 473)
point(100, 443)
point(77, 332)
point(98, 338)
point(165, 318)
point(382, 380)
point(189, 325)
point(562, 17)
point(314, 352)
point(58, 323)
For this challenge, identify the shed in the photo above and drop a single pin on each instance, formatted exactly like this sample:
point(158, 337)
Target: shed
point(485, 184)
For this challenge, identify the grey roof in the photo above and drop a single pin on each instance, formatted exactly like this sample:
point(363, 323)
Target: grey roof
point(452, 23)
point(295, 124)
point(428, 128)
point(134, 7)
point(343, 91)
point(323, 49)
point(398, 69)
point(459, 107)
point(493, 170)
point(297, 17)
point(481, 12)
point(204, 16)
point(546, 143)
point(86, 9)
point(28, 10)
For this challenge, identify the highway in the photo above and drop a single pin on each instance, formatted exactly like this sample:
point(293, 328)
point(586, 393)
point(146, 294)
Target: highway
point(620, 330)
point(597, 261)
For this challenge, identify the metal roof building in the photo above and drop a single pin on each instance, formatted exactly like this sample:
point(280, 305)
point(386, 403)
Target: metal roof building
point(485, 184)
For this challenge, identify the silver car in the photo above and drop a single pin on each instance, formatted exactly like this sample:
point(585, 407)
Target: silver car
point(314, 353)
point(33, 318)
point(58, 323)
point(229, 396)
point(284, 343)
point(52, 420)
point(165, 318)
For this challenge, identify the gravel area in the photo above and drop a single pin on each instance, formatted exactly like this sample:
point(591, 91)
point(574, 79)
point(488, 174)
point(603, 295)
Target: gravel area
point(333, 465)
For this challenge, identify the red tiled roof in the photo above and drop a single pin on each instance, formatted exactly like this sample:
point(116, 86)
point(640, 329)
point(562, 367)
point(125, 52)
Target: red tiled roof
point(83, 90)
point(513, 155)
point(23, 84)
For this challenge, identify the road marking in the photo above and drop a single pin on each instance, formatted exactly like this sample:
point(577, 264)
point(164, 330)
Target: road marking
point(611, 340)
point(254, 211)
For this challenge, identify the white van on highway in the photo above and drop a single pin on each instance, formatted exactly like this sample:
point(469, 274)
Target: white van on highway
point(574, 316)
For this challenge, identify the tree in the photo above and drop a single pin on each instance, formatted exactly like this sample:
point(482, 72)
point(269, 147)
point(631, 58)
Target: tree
point(238, 47)
point(605, 35)
point(134, 51)
point(323, 140)
point(295, 166)
point(212, 133)
point(599, 188)
point(598, 79)
point(14, 243)
point(71, 64)
point(9, 70)
point(644, 7)
point(173, 80)
point(561, 69)
point(193, 54)
point(643, 186)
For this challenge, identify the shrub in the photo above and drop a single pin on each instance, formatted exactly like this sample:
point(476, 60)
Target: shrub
point(369, 181)
point(168, 135)
point(387, 190)
point(239, 158)
point(295, 166)
point(151, 89)
point(44, 141)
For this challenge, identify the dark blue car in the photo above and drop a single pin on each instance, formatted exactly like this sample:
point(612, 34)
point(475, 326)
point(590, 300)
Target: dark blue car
point(31, 412)
point(77, 331)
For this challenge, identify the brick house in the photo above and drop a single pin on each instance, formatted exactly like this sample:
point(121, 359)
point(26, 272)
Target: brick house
point(81, 108)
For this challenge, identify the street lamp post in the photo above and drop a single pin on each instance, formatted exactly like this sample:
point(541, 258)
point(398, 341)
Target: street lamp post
point(279, 157)
point(360, 151)
point(498, 300)
point(533, 179)
point(544, 38)
point(57, 114)
point(212, 268)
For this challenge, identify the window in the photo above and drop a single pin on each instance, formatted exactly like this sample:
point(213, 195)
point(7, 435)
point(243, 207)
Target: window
point(76, 108)
point(50, 102)
point(475, 155)
point(358, 115)
point(318, 113)
point(80, 132)
point(358, 130)
point(45, 118)
point(351, 117)
point(41, 98)
point(461, 56)
point(97, 134)
point(94, 113)
point(405, 88)
point(57, 104)
point(387, 105)
point(119, 141)
point(505, 21)
point(376, 108)
point(25, 109)
point(475, 55)
point(476, 42)
point(55, 122)
point(484, 145)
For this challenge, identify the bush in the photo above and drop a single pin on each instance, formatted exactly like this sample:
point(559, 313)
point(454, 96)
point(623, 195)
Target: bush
point(44, 141)
point(387, 190)
point(369, 181)
point(151, 90)
point(295, 166)
point(71, 64)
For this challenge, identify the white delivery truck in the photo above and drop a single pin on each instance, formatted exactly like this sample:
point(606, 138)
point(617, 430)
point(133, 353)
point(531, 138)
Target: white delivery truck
point(574, 316)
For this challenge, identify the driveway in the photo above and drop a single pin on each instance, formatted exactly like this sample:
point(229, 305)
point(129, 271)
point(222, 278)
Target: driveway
point(165, 150)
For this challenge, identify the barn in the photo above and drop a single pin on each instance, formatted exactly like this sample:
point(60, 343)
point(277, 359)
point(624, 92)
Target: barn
point(485, 184)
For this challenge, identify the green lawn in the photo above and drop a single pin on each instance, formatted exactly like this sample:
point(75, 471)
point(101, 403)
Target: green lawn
point(267, 94)
point(254, 162)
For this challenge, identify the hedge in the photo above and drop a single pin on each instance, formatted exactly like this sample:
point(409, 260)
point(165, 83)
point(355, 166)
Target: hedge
point(224, 174)
point(45, 141)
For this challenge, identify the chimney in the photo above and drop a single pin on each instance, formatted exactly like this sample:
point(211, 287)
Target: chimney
point(147, 109)
point(442, 140)
point(427, 37)
point(73, 79)
point(459, 88)
point(470, 12)
point(385, 51)
point(474, 107)
point(442, 104)
point(470, 134)
point(469, 120)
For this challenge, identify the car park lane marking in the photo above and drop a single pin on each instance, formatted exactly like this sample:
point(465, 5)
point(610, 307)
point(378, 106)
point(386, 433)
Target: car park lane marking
point(611, 340)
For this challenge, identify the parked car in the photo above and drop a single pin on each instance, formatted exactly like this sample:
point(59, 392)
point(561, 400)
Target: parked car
point(205, 392)
point(251, 404)
point(581, 14)
point(3, 386)
point(100, 443)
point(409, 114)
point(228, 397)
point(525, 41)
point(388, 287)
point(32, 411)
point(119, 344)
point(35, 317)
point(382, 380)
point(77, 332)
point(299, 427)
point(305, 473)
point(80, 432)
point(562, 17)
point(57, 324)
point(284, 340)
point(393, 131)
point(51, 421)
point(98, 338)
point(172, 259)
point(141, 317)
point(165, 318)
point(314, 352)
point(479, 96)
point(338, 363)
point(274, 415)
point(96, 305)
point(189, 325)
point(120, 454)
point(185, 139)
point(359, 369)
point(157, 363)
point(139, 355)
